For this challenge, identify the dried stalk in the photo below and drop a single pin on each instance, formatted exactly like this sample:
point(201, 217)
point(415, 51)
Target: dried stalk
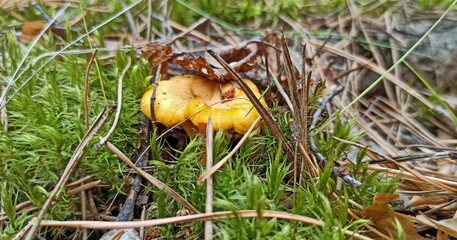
point(209, 181)
point(197, 217)
point(86, 88)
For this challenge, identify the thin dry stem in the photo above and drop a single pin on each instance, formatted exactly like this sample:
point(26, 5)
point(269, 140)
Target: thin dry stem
point(86, 88)
point(209, 181)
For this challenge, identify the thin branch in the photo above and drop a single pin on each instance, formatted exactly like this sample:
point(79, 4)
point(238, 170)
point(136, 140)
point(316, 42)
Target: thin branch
point(153, 96)
point(209, 182)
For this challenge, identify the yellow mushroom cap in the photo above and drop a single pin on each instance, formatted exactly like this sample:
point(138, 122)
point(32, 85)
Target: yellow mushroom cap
point(192, 96)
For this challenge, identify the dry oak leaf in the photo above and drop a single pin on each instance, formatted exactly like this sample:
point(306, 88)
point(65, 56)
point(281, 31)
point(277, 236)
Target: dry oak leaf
point(383, 217)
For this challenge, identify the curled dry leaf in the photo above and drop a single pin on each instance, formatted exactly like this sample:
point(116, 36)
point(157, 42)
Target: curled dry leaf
point(241, 58)
point(157, 54)
point(384, 218)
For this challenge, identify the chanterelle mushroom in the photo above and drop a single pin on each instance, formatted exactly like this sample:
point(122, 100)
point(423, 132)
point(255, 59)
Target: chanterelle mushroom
point(183, 96)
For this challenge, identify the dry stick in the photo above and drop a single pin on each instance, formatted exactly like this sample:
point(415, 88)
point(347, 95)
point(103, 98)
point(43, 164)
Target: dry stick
point(79, 181)
point(86, 88)
point(83, 187)
point(440, 207)
point(119, 108)
point(197, 217)
point(209, 182)
point(210, 171)
point(406, 168)
point(71, 165)
point(271, 124)
point(84, 212)
point(416, 157)
point(153, 96)
point(160, 185)
point(312, 143)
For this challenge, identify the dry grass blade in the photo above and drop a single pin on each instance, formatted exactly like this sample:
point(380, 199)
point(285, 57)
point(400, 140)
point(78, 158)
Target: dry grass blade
point(119, 107)
point(271, 124)
point(209, 182)
point(210, 171)
point(160, 185)
point(405, 167)
point(83, 187)
point(196, 217)
point(292, 82)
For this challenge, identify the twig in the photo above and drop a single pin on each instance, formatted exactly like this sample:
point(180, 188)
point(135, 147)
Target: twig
point(153, 96)
point(72, 163)
point(209, 181)
point(419, 156)
point(86, 88)
point(312, 143)
point(156, 182)
point(197, 217)
point(440, 207)
point(210, 171)
point(271, 124)
point(83, 187)
point(84, 212)
point(119, 107)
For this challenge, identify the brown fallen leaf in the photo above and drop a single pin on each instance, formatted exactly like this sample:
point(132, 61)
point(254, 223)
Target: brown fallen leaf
point(241, 58)
point(419, 200)
point(31, 29)
point(157, 54)
point(384, 218)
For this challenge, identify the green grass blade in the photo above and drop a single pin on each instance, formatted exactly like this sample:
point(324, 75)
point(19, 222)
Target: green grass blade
point(435, 94)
